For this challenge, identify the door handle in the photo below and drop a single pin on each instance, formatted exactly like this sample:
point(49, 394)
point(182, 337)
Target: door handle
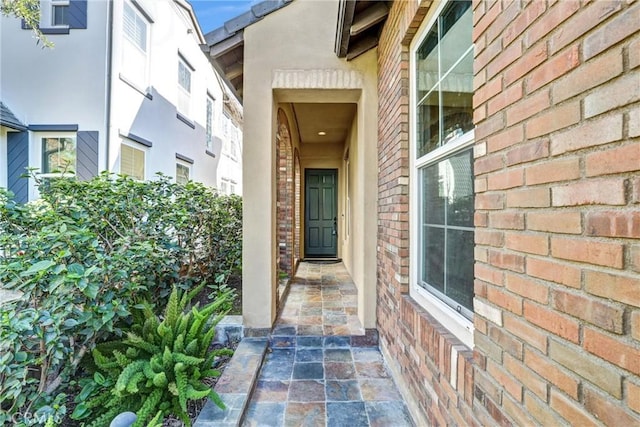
point(335, 226)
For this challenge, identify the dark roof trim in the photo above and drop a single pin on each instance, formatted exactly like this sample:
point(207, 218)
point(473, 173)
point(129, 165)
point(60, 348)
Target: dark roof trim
point(346, 12)
point(8, 119)
point(53, 128)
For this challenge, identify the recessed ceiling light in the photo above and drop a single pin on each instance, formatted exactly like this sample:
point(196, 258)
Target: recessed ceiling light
point(322, 133)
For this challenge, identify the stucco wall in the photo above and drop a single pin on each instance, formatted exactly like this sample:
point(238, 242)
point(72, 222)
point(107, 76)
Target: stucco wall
point(279, 69)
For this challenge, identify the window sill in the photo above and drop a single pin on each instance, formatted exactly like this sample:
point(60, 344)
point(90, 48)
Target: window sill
point(186, 121)
point(55, 30)
point(146, 93)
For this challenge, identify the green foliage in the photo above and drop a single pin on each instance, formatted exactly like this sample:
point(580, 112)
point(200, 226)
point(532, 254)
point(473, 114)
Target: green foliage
point(152, 373)
point(29, 11)
point(88, 252)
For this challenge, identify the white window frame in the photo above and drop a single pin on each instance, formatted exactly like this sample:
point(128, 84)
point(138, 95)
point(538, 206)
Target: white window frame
point(184, 94)
point(180, 163)
point(456, 323)
point(131, 45)
point(134, 146)
point(210, 122)
point(58, 3)
point(38, 137)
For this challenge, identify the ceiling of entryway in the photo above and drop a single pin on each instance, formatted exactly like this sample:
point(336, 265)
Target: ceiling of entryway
point(334, 119)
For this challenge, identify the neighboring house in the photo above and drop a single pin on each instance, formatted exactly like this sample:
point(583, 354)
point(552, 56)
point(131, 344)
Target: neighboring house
point(126, 88)
point(477, 166)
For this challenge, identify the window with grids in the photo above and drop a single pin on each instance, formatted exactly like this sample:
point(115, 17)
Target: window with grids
point(135, 46)
point(132, 162)
point(184, 87)
point(209, 140)
point(59, 13)
point(443, 162)
point(182, 173)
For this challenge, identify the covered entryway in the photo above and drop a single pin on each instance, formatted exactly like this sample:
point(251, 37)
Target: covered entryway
point(321, 213)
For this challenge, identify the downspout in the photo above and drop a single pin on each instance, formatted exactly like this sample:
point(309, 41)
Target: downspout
point(108, 85)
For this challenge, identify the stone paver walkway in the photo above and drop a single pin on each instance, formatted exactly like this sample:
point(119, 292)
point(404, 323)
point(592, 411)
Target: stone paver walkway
point(322, 368)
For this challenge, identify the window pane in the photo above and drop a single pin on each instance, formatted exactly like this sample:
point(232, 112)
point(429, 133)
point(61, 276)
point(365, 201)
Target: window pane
point(135, 28)
point(182, 174)
point(209, 140)
point(459, 189)
point(456, 25)
point(132, 162)
point(58, 155)
point(427, 74)
point(459, 281)
point(184, 76)
point(457, 98)
point(60, 16)
point(428, 126)
point(433, 257)
point(433, 194)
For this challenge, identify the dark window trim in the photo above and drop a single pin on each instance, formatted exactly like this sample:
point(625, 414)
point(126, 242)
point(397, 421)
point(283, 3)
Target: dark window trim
point(209, 153)
point(184, 158)
point(55, 30)
point(186, 61)
point(142, 11)
point(147, 93)
point(135, 138)
point(186, 120)
point(53, 128)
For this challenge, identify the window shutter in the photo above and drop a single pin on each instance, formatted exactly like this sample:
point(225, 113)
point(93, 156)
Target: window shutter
point(78, 14)
point(87, 155)
point(17, 161)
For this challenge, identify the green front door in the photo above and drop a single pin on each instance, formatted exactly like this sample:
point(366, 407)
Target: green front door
point(321, 199)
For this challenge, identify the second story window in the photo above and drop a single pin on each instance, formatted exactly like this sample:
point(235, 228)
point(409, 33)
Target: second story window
point(184, 86)
point(60, 13)
point(209, 137)
point(135, 49)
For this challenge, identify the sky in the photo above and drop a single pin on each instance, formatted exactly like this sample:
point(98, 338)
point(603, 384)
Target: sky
point(213, 13)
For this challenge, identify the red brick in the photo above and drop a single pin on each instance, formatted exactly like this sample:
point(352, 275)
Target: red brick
point(612, 350)
point(573, 412)
point(624, 289)
point(613, 224)
point(510, 11)
point(552, 20)
point(635, 190)
point(549, 370)
point(608, 411)
point(561, 326)
point(507, 220)
point(480, 185)
point(488, 164)
point(604, 315)
point(588, 251)
point(553, 120)
point(618, 93)
point(619, 28)
point(555, 222)
point(528, 152)
point(504, 300)
point(487, 91)
point(505, 58)
point(527, 288)
point(633, 396)
point(531, 59)
point(625, 158)
point(489, 126)
point(565, 169)
point(528, 107)
point(554, 272)
point(481, 26)
point(510, 384)
point(489, 201)
point(516, 412)
point(489, 274)
point(600, 192)
point(588, 18)
point(489, 238)
point(552, 69)
point(634, 54)
point(527, 333)
point(508, 138)
point(529, 15)
point(509, 178)
point(505, 98)
point(529, 378)
point(480, 219)
point(587, 134)
point(529, 198)
point(491, 51)
point(529, 243)
point(588, 75)
point(540, 410)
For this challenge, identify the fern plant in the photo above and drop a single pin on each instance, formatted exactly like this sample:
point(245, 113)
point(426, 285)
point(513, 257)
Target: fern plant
point(158, 367)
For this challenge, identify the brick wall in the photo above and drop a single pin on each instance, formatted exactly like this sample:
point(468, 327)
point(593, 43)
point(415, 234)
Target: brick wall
point(557, 178)
point(285, 195)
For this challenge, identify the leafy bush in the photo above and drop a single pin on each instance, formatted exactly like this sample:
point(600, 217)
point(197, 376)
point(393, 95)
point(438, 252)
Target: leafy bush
point(158, 367)
point(86, 253)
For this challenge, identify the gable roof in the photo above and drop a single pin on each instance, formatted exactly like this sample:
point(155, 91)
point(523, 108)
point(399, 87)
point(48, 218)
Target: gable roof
point(8, 119)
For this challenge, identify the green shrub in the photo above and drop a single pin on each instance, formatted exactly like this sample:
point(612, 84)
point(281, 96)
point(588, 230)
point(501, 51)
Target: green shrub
point(84, 255)
point(158, 367)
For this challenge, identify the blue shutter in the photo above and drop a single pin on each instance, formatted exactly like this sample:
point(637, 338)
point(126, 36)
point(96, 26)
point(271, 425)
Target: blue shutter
point(87, 155)
point(17, 162)
point(78, 14)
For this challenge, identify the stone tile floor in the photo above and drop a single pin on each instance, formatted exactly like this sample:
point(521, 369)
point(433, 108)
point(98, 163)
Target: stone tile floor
point(322, 368)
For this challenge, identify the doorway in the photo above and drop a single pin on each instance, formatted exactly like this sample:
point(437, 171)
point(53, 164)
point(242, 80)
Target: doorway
point(320, 213)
